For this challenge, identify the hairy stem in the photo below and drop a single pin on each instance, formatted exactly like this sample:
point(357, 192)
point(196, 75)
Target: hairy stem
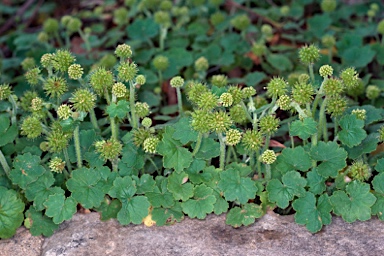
point(92, 115)
point(4, 164)
point(132, 104)
point(222, 151)
point(198, 144)
point(76, 139)
point(268, 174)
point(66, 157)
point(323, 122)
point(179, 100)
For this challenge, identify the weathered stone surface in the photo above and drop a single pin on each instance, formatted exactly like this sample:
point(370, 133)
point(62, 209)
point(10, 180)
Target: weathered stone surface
point(271, 235)
point(22, 243)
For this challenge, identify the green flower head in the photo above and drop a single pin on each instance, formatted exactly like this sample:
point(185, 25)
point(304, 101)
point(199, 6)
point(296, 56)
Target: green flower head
point(109, 149)
point(220, 122)
point(75, 71)
point(252, 140)
point(269, 124)
point(31, 127)
point(101, 80)
point(232, 137)
point(62, 59)
point(150, 144)
point(55, 87)
point(201, 64)
point(276, 87)
point(5, 91)
point(83, 100)
point(160, 62)
point(177, 82)
point(119, 90)
point(309, 54)
point(142, 109)
point(219, 80)
point(226, 99)
point(57, 165)
point(359, 171)
point(123, 51)
point(268, 157)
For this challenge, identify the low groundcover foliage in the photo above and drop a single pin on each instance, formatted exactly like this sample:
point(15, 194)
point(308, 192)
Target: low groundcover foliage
point(91, 130)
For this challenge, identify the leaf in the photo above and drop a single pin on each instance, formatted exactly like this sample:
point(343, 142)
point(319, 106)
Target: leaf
point(60, 208)
point(39, 223)
point(357, 57)
point(303, 128)
point(168, 216)
point(310, 214)
point(175, 156)
point(119, 110)
point(184, 132)
point(279, 62)
point(133, 210)
point(368, 145)
point(109, 209)
point(221, 204)
point(333, 158)
point(196, 174)
point(180, 189)
point(8, 133)
point(209, 149)
point(236, 187)
point(144, 184)
point(355, 204)
point(86, 187)
point(201, 204)
point(378, 186)
point(352, 132)
point(282, 192)
point(380, 165)
point(254, 78)
point(160, 196)
point(318, 24)
point(11, 212)
point(123, 188)
point(288, 160)
point(132, 160)
point(243, 216)
point(142, 29)
point(316, 182)
point(26, 169)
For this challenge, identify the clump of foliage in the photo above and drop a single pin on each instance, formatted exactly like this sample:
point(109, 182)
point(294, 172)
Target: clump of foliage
point(96, 134)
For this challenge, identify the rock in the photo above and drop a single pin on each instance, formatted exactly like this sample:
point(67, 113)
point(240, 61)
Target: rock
point(22, 243)
point(85, 234)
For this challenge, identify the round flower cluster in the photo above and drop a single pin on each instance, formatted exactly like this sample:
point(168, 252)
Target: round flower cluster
point(177, 82)
point(207, 101)
point(160, 62)
point(46, 60)
point(350, 78)
point(75, 71)
point(199, 121)
point(119, 90)
point(140, 80)
point(57, 165)
point(360, 113)
point(127, 71)
point(5, 91)
point(109, 149)
point(162, 18)
point(241, 22)
point(55, 86)
point(28, 63)
point(219, 80)
point(32, 76)
point(140, 135)
point(233, 137)
point(309, 54)
point(269, 124)
point(236, 93)
point(333, 86)
point(64, 112)
point(150, 144)
point(372, 92)
point(326, 71)
point(268, 157)
point(217, 18)
point(328, 5)
point(146, 122)
point(201, 64)
point(248, 92)
point(336, 105)
point(359, 171)
point(142, 109)
point(284, 102)
point(226, 99)
point(328, 41)
point(73, 25)
point(51, 26)
point(62, 59)
point(302, 93)
point(57, 141)
point(220, 122)
point(83, 100)
point(238, 114)
point(252, 140)
point(276, 87)
point(123, 51)
point(36, 104)
point(31, 127)
point(101, 80)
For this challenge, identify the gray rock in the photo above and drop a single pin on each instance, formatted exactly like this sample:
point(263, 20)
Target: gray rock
point(22, 243)
point(85, 235)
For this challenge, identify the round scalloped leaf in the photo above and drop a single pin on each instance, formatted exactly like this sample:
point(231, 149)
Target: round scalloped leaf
point(133, 210)
point(236, 187)
point(316, 182)
point(332, 157)
point(60, 208)
point(26, 169)
point(355, 204)
point(303, 128)
point(119, 110)
point(11, 212)
point(380, 165)
point(283, 192)
point(310, 214)
point(144, 184)
point(244, 216)
point(184, 131)
point(168, 216)
point(201, 204)
point(287, 160)
point(39, 224)
point(123, 188)
point(86, 188)
point(378, 186)
point(180, 189)
point(160, 196)
point(352, 132)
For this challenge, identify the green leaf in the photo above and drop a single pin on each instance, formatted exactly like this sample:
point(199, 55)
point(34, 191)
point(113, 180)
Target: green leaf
point(196, 174)
point(184, 132)
point(11, 212)
point(310, 214)
point(243, 216)
point(142, 29)
point(39, 223)
point(209, 149)
point(132, 160)
point(161, 197)
point(236, 187)
point(109, 209)
point(287, 160)
point(179, 187)
point(332, 157)
point(201, 204)
point(86, 187)
point(380, 165)
point(119, 110)
point(168, 216)
point(123, 188)
point(318, 24)
point(283, 192)
point(378, 186)
point(368, 145)
point(60, 208)
point(7, 133)
point(352, 132)
point(357, 57)
point(133, 210)
point(355, 204)
point(303, 128)
point(279, 62)
point(254, 78)
point(316, 182)
point(26, 169)
point(144, 184)
point(221, 205)
point(175, 156)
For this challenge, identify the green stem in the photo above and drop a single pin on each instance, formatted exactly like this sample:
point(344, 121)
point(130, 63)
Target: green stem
point(132, 104)
point(57, 36)
point(311, 74)
point(106, 96)
point(268, 174)
point(115, 164)
point(160, 75)
point(222, 151)
point(258, 164)
point(322, 121)
point(76, 139)
point(319, 95)
point(267, 141)
point(14, 109)
point(93, 119)
point(234, 154)
point(4, 164)
point(85, 39)
point(179, 100)
point(198, 144)
point(336, 122)
point(163, 35)
point(246, 111)
point(66, 157)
